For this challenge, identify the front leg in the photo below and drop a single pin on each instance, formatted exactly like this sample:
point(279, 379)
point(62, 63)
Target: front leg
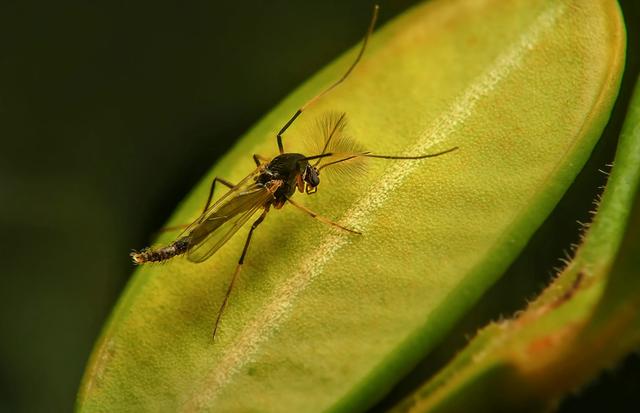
point(237, 271)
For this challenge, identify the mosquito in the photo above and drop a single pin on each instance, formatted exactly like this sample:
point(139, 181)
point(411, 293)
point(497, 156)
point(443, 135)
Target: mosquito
point(271, 184)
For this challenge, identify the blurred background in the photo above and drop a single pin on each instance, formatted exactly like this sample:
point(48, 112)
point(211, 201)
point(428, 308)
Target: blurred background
point(110, 112)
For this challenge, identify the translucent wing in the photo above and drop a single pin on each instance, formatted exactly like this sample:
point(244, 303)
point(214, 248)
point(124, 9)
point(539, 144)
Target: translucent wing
point(241, 186)
point(225, 218)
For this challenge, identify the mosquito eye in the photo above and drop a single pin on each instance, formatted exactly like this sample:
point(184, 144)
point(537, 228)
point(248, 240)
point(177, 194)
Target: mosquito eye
point(311, 176)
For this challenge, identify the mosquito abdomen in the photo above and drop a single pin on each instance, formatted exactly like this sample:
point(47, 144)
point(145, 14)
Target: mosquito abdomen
point(176, 248)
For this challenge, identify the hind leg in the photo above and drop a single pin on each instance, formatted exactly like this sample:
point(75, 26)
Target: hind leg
point(237, 271)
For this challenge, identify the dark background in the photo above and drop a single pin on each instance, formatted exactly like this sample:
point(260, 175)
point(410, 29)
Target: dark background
point(110, 111)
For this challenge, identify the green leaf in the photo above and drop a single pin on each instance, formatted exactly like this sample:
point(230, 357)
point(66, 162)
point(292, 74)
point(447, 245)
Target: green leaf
point(587, 320)
point(327, 321)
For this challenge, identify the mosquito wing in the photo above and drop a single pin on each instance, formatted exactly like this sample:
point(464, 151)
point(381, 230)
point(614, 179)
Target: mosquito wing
point(241, 186)
point(225, 218)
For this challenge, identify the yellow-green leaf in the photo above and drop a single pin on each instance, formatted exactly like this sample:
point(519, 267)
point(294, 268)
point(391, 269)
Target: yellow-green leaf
point(587, 320)
point(327, 321)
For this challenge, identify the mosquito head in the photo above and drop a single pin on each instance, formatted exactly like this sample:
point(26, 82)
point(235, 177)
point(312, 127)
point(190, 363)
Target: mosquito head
point(311, 177)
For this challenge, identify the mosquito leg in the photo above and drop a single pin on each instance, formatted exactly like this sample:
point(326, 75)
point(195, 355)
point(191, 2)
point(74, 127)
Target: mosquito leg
point(237, 271)
point(285, 127)
point(321, 218)
point(213, 186)
point(259, 159)
point(311, 101)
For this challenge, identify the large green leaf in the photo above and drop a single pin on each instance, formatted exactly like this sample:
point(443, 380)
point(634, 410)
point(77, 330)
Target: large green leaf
point(588, 319)
point(322, 320)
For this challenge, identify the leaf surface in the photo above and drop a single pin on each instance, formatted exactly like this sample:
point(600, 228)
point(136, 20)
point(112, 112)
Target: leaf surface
point(585, 321)
point(327, 321)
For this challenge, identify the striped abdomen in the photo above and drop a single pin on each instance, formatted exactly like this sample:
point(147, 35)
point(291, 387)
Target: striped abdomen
point(177, 247)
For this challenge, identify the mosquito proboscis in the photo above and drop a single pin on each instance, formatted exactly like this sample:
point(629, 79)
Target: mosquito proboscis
point(271, 184)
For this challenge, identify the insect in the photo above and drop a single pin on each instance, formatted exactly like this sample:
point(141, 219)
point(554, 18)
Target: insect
point(271, 184)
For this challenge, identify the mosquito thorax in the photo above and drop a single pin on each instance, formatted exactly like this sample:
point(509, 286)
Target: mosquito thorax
point(288, 168)
point(286, 165)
